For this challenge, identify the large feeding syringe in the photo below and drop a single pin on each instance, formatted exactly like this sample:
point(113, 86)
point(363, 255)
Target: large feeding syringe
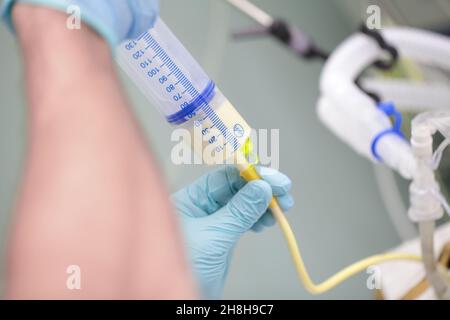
point(175, 83)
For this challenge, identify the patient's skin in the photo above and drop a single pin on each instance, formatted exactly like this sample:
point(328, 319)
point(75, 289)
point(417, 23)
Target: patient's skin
point(91, 194)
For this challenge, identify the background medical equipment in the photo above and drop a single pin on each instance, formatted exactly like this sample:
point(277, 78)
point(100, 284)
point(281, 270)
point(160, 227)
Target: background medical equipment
point(352, 108)
point(364, 124)
point(351, 114)
point(289, 35)
point(172, 80)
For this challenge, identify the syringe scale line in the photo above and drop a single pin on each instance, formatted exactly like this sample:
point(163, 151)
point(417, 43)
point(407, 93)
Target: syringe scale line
point(146, 41)
point(157, 53)
point(153, 46)
point(224, 130)
point(177, 72)
point(219, 125)
point(142, 36)
point(190, 90)
point(216, 120)
point(149, 38)
point(170, 66)
point(162, 53)
point(185, 83)
point(175, 69)
point(166, 59)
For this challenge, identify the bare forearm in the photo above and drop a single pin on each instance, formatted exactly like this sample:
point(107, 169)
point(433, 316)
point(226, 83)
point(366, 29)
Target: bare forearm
point(91, 195)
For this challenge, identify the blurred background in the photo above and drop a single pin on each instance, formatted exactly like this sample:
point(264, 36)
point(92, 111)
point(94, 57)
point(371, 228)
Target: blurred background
point(340, 213)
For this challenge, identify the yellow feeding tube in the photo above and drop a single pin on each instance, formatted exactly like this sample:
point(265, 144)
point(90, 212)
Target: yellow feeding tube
point(249, 173)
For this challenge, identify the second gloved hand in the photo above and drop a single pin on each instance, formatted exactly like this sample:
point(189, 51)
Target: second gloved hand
point(217, 210)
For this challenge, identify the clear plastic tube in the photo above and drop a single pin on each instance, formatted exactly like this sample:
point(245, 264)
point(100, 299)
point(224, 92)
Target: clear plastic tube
point(440, 286)
point(425, 197)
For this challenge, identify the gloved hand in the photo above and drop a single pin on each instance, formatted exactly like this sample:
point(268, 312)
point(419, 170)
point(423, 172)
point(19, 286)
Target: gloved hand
point(114, 20)
point(217, 210)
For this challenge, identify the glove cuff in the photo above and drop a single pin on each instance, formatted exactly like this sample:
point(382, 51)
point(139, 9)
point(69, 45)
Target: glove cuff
point(61, 5)
point(6, 14)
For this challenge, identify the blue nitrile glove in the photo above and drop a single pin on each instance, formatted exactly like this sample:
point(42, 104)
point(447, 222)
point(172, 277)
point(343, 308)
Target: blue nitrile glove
point(217, 210)
point(114, 20)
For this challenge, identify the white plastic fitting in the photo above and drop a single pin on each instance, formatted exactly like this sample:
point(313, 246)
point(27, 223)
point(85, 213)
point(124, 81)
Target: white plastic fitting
point(424, 191)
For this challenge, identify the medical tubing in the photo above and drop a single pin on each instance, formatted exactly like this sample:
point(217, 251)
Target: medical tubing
point(437, 155)
point(249, 173)
point(338, 88)
point(356, 119)
point(440, 285)
point(420, 45)
point(410, 95)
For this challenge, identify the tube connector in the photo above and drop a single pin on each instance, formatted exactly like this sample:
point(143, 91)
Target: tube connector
point(422, 141)
point(424, 190)
point(424, 202)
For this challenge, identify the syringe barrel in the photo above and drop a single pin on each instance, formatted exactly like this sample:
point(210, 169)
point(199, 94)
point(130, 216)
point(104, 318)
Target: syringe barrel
point(166, 73)
point(176, 84)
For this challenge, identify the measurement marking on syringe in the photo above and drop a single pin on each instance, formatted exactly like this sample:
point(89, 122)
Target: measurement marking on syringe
point(223, 129)
point(188, 86)
point(185, 82)
point(176, 70)
point(143, 35)
point(172, 67)
point(165, 59)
